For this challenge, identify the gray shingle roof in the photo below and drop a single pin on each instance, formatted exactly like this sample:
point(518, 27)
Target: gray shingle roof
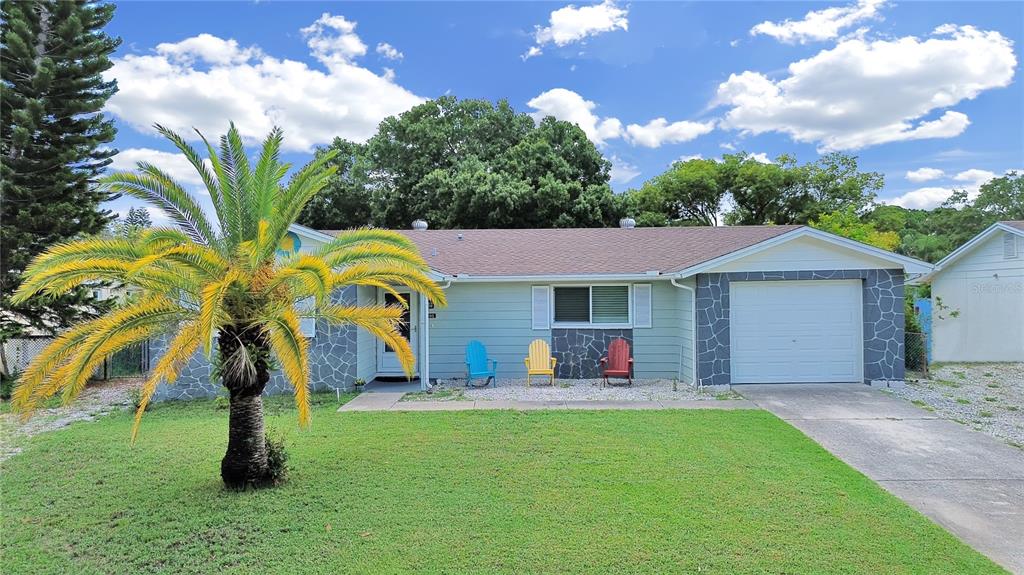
point(1019, 224)
point(581, 251)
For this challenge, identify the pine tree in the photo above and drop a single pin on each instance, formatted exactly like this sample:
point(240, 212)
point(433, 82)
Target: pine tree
point(52, 137)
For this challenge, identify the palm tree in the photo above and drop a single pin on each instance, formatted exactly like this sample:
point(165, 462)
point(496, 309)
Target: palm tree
point(230, 284)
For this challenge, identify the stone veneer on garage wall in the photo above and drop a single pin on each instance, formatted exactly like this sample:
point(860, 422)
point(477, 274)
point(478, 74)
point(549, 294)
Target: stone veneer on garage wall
point(578, 351)
point(883, 320)
point(332, 363)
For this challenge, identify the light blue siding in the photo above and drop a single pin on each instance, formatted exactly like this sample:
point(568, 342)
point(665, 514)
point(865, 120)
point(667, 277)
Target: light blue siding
point(497, 314)
point(366, 344)
point(656, 350)
point(687, 330)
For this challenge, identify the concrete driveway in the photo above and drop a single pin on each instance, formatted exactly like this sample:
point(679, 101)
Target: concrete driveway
point(968, 482)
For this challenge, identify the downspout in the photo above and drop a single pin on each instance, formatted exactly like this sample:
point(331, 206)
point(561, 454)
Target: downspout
point(693, 316)
point(425, 364)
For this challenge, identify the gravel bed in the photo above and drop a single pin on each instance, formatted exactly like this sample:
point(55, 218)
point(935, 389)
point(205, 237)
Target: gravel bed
point(988, 397)
point(565, 390)
point(96, 400)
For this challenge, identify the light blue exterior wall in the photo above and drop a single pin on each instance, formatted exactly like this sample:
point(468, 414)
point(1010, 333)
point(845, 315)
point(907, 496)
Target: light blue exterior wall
point(497, 314)
point(500, 316)
point(656, 350)
point(366, 344)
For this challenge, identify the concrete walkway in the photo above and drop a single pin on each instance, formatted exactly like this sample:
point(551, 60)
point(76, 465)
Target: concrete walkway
point(968, 482)
point(390, 402)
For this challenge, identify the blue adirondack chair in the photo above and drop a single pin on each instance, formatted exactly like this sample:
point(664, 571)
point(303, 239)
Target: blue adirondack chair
point(477, 364)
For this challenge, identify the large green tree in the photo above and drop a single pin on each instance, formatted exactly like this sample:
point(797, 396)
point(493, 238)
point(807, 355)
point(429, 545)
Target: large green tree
point(52, 136)
point(467, 164)
point(785, 192)
point(688, 193)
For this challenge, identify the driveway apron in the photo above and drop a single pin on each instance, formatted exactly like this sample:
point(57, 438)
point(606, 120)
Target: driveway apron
point(968, 482)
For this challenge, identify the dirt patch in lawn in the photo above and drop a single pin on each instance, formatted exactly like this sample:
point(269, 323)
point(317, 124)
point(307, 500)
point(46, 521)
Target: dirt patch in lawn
point(988, 397)
point(96, 400)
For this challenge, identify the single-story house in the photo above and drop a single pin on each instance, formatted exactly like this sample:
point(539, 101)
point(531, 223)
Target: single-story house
point(704, 305)
point(978, 298)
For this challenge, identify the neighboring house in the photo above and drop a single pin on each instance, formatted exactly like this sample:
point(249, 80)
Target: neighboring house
point(706, 305)
point(978, 298)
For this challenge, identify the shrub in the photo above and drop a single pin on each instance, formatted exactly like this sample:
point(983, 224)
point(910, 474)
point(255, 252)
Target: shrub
point(7, 385)
point(135, 397)
point(277, 460)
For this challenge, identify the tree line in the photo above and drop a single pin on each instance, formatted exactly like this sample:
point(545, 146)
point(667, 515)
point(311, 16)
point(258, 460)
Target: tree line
point(477, 164)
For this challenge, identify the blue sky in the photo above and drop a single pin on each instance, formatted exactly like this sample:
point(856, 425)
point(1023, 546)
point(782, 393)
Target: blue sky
point(927, 93)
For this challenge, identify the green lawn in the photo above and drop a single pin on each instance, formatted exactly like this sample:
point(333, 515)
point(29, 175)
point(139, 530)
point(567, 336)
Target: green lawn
point(461, 492)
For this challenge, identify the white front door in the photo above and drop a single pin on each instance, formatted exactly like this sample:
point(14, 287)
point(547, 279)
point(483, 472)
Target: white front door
point(387, 359)
point(796, 331)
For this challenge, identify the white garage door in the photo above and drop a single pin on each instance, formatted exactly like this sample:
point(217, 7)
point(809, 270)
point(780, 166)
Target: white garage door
point(796, 331)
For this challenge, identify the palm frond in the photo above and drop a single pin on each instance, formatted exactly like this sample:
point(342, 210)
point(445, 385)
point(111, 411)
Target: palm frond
point(230, 222)
point(211, 307)
point(266, 182)
point(209, 180)
point(362, 274)
point(156, 187)
point(49, 359)
point(236, 165)
point(106, 335)
point(167, 368)
point(308, 275)
point(372, 236)
point(380, 321)
point(292, 352)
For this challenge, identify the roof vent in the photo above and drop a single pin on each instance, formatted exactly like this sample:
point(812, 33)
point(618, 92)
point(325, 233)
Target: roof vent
point(627, 223)
point(459, 237)
point(419, 224)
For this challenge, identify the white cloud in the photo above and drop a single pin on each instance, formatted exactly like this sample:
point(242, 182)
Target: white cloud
point(819, 25)
point(571, 107)
point(175, 164)
point(207, 48)
point(388, 51)
point(332, 39)
point(760, 157)
point(622, 171)
point(924, 174)
point(862, 93)
point(659, 131)
point(930, 197)
point(687, 158)
point(727, 146)
point(573, 24)
point(922, 198)
point(205, 81)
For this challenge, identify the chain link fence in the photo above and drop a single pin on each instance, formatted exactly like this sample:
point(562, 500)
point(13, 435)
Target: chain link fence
point(134, 360)
point(916, 355)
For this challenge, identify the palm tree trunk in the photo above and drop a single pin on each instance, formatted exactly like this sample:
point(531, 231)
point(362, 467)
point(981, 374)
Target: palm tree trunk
point(245, 373)
point(245, 462)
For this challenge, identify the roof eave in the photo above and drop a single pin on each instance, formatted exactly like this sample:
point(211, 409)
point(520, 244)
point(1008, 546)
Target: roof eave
point(967, 247)
point(908, 264)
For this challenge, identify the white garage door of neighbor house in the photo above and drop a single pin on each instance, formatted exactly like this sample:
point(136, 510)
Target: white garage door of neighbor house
point(796, 331)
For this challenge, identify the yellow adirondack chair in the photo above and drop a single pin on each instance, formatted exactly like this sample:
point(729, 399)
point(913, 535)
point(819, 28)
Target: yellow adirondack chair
point(540, 362)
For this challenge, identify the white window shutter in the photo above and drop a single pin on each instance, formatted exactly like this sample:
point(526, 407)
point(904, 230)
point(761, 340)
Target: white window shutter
point(541, 307)
point(642, 305)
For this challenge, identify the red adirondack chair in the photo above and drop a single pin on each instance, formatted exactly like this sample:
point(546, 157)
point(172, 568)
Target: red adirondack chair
point(618, 362)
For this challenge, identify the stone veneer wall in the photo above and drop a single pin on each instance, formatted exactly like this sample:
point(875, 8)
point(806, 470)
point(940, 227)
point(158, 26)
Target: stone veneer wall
point(332, 363)
point(578, 351)
point(883, 320)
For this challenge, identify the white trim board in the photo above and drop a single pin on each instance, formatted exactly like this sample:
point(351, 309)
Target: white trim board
point(908, 264)
point(968, 247)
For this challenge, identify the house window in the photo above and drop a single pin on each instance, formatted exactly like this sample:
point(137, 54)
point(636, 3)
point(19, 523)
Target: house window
point(592, 304)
